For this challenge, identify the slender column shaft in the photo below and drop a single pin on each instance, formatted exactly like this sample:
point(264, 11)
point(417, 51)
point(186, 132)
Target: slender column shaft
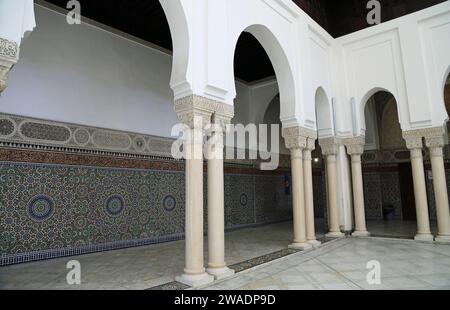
point(298, 200)
point(358, 196)
point(309, 198)
point(195, 119)
point(216, 219)
point(194, 205)
point(420, 193)
point(441, 194)
point(332, 194)
point(216, 224)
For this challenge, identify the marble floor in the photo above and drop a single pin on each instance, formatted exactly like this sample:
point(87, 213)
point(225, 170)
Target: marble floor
point(142, 267)
point(341, 265)
point(149, 266)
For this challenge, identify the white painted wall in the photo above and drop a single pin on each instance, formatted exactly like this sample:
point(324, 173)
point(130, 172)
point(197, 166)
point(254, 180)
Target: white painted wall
point(408, 57)
point(81, 74)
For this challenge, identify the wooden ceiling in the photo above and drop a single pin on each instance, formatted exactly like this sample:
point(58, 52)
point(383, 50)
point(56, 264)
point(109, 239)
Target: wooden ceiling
point(146, 20)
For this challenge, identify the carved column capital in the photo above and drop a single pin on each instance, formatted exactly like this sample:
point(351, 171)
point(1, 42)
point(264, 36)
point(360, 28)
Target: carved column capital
point(310, 146)
point(413, 139)
point(298, 137)
point(195, 111)
point(355, 146)
point(436, 137)
point(9, 55)
point(330, 146)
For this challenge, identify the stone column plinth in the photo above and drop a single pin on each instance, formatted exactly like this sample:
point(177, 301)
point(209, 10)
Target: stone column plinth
point(415, 145)
point(355, 148)
point(435, 143)
point(330, 148)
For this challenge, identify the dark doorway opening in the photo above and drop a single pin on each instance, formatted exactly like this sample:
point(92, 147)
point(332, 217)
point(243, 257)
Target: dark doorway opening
point(407, 192)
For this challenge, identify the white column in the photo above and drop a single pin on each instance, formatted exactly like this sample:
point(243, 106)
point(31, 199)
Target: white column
point(415, 145)
point(355, 148)
point(309, 193)
point(435, 145)
point(344, 183)
point(195, 117)
point(298, 197)
point(216, 219)
point(330, 149)
point(295, 139)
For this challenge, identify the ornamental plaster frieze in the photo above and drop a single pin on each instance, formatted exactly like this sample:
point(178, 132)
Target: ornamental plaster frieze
point(9, 55)
point(23, 132)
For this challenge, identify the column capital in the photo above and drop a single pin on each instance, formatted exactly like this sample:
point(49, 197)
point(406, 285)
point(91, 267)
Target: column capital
point(298, 137)
point(436, 137)
point(330, 146)
point(414, 139)
point(9, 55)
point(196, 111)
point(355, 145)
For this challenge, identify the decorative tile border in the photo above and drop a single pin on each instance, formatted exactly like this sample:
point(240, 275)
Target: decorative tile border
point(245, 265)
point(171, 286)
point(13, 259)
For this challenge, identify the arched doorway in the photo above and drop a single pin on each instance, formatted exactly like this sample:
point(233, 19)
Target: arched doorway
point(325, 129)
point(387, 173)
point(264, 87)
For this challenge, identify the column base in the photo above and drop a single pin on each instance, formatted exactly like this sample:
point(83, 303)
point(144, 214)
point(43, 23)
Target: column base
point(220, 273)
point(360, 234)
point(314, 243)
point(424, 238)
point(443, 239)
point(195, 280)
point(335, 234)
point(300, 246)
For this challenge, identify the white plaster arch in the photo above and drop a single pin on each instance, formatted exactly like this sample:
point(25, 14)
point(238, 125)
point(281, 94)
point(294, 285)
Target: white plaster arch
point(179, 30)
point(361, 119)
point(272, 117)
point(444, 82)
point(324, 114)
point(280, 63)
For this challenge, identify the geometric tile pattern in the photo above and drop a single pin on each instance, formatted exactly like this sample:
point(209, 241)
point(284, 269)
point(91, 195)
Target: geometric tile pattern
point(372, 195)
point(390, 192)
point(46, 209)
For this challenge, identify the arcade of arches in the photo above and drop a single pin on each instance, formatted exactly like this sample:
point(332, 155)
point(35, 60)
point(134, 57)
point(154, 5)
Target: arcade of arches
point(86, 162)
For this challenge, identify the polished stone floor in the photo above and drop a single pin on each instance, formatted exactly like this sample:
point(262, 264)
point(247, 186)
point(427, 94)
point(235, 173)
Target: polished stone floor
point(341, 265)
point(146, 267)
